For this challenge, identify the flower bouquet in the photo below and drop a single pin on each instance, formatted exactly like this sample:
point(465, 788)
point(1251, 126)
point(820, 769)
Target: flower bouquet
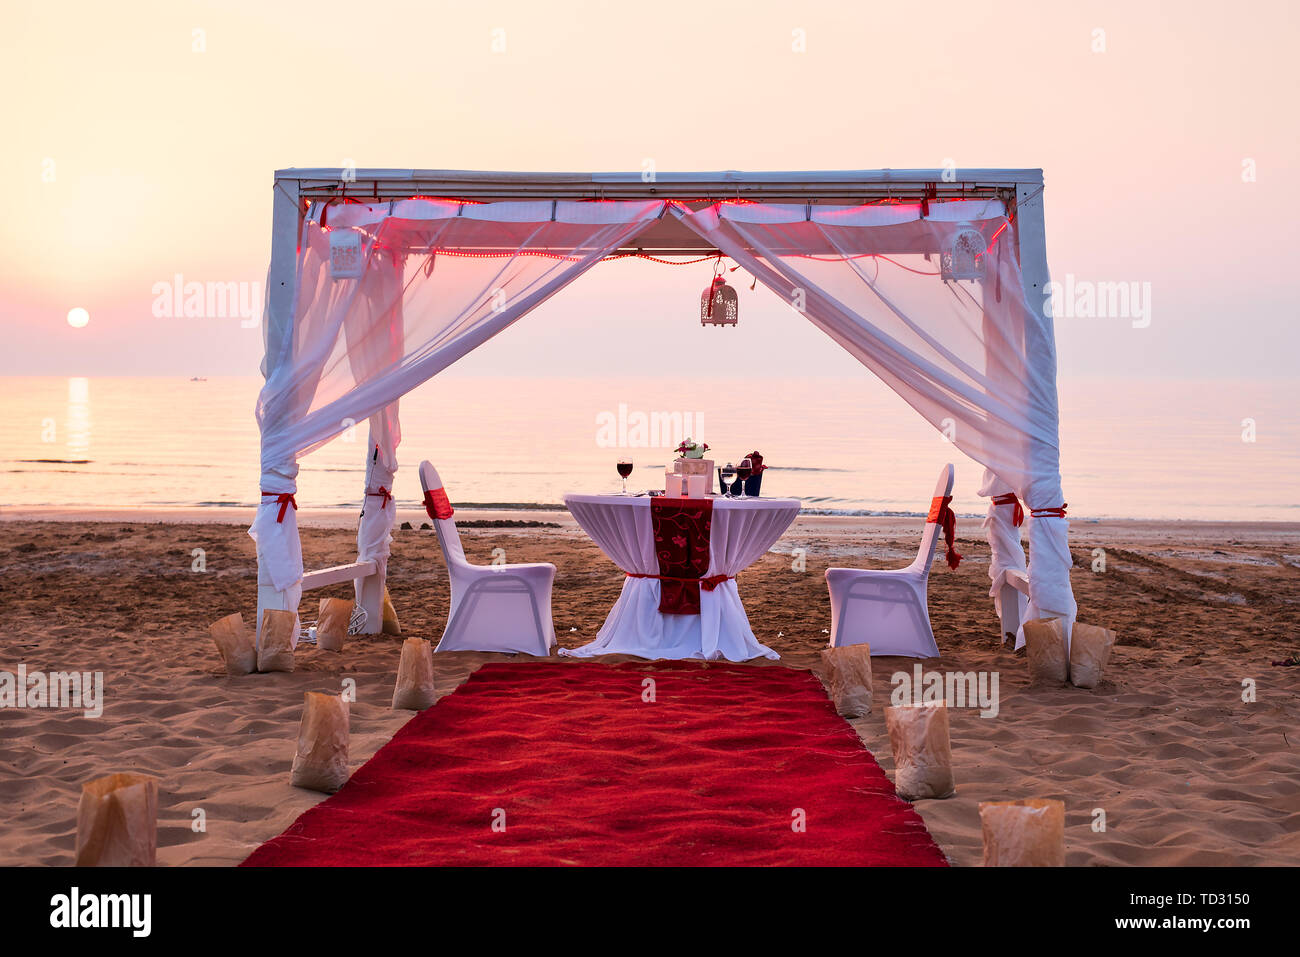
point(690, 449)
point(690, 459)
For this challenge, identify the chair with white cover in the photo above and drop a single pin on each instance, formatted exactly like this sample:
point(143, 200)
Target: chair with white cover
point(887, 608)
point(493, 607)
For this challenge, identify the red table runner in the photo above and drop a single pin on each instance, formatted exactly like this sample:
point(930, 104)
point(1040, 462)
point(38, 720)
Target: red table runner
point(681, 530)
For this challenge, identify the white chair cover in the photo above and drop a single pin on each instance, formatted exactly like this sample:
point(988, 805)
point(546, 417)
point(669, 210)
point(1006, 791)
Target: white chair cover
point(888, 608)
point(503, 608)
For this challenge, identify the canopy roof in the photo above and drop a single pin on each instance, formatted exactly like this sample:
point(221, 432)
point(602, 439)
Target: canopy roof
point(838, 185)
point(842, 188)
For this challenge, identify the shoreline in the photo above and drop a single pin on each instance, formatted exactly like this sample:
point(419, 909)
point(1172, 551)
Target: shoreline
point(893, 523)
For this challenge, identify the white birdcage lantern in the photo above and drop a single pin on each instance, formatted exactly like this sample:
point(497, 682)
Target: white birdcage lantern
point(347, 258)
point(964, 257)
point(719, 305)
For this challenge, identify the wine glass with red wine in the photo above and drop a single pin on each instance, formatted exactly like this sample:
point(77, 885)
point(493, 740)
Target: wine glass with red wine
point(624, 470)
point(744, 469)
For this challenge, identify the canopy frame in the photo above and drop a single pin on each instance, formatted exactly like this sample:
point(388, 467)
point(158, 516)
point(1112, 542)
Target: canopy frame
point(296, 189)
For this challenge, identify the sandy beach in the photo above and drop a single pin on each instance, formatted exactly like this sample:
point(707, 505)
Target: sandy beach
point(1186, 772)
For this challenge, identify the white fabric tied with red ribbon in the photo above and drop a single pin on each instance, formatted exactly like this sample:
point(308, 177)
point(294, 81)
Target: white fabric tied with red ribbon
point(1006, 554)
point(379, 512)
point(275, 530)
point(1050, 595)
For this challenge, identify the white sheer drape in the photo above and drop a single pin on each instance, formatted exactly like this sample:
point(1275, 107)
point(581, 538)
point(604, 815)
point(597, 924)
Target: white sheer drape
point(970, 355)
point(440, 278)
point(375, 338)
point(456, 274)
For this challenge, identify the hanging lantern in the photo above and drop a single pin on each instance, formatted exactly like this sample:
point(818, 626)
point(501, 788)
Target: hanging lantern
point(964, 257)
point(347, 259)
point(719, 305)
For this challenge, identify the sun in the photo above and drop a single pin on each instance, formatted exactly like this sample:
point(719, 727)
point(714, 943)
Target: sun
point(78, 317)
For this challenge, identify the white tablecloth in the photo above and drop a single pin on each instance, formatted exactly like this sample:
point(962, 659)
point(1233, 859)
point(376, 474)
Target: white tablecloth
point(741, 533)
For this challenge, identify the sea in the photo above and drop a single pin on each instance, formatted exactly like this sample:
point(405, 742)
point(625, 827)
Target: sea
point(1166, 449)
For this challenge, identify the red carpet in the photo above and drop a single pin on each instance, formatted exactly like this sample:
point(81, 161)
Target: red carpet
point(586, 772)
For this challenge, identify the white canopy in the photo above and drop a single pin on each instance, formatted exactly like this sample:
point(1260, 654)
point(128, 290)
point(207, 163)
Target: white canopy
point(935, 284)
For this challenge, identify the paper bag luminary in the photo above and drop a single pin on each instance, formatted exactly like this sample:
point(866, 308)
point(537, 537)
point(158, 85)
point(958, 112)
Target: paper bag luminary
point(1049, 662)
point(117, 822)
point(332, 623)
point(1028, 833)
point(275, 643)
point(415, 690)
point(391, 625)
point(237, 645)
point(1090, 649)
point(922, 750)
point(849, 671)
point(321, 761)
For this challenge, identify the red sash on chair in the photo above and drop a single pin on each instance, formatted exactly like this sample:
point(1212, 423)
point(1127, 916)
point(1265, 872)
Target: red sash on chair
point(437, 504)
point(681, 530)
point(946, 518)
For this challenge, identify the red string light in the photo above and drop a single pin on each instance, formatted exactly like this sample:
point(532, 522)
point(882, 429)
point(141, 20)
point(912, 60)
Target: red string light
point(836, 259)
point(994, 239)
point(447, 199)
point(545, 254)
point(663, 262)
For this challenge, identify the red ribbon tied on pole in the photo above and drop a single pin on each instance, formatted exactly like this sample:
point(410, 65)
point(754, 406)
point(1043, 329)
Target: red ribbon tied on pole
point(437, 504)
point(285, 499)
point(946, 519)
point(383, 493)
point(1049, 512)
point(1018, 516)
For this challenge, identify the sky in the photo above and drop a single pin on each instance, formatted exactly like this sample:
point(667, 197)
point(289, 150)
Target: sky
point(141, 141)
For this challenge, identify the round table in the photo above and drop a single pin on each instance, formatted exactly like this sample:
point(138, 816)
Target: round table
point(742, 531)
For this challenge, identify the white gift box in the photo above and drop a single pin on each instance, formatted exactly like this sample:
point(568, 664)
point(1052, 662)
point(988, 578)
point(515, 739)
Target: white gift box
point(693, 467)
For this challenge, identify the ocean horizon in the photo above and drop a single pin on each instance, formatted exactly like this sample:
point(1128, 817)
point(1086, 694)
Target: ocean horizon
point(1216, 450)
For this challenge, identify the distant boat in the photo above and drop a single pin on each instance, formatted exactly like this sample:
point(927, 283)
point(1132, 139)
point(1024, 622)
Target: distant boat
point(198, 378)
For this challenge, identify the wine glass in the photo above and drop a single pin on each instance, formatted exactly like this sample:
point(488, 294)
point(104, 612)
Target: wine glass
point(744, 469)
point(624, 470)
point(728, 477)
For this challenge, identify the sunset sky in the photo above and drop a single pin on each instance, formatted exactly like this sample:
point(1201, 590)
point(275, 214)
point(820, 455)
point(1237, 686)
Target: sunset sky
point(141, 139)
